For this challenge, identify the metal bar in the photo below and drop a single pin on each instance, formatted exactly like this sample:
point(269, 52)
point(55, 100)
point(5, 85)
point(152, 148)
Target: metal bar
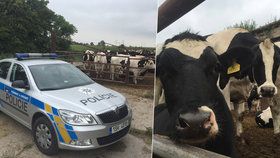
point(171, 10)
point(127, 71)
point(166, 148)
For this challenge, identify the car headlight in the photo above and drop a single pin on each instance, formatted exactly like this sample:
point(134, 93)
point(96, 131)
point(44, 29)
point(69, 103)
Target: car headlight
point(74, 118)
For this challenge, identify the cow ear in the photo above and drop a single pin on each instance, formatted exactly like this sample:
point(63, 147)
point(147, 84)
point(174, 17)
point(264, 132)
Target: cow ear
point(169, 60)
point(223, 80)
point(237, 60)
point(251, 76)
point(208, 59)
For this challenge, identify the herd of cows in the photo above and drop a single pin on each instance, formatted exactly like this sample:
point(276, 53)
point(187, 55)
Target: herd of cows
point(197, 79)
point(136, 62)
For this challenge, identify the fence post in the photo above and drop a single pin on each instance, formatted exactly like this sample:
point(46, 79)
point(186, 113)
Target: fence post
point(127, 71)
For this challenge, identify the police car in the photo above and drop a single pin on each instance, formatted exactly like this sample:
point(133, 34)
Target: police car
point(62, 106)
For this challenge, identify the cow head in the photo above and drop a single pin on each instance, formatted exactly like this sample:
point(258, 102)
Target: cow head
point(235, 62)
point(146, 63)
point(265, 67)
point(190, 93)
point(122, 68)
point(260, 63)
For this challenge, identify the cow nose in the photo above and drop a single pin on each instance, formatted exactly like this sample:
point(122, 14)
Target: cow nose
point(267, 91)
point(199, 121)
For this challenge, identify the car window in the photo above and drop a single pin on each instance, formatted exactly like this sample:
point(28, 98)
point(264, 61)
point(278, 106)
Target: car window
point(4, 69)
point(58, 76)
point(18, 73)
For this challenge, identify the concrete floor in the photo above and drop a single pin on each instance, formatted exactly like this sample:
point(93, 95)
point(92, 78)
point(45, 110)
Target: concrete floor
point(16, 142)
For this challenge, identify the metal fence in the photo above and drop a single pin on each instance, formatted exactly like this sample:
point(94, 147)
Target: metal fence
point(125, 76)
point(165, 148)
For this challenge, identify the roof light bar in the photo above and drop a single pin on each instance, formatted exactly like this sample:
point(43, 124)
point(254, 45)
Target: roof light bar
point(24, 56)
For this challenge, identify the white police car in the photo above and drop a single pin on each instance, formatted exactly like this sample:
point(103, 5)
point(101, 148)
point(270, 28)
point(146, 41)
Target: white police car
point(62, 106)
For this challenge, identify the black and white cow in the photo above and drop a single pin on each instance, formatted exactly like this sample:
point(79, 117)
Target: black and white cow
point(277, 44)
point(139, 66)
point(248, 61)
point(109, 55)
point(194, 111)
point(88, 57)
point(100, 62)
point(118, 64)
point(264, 118)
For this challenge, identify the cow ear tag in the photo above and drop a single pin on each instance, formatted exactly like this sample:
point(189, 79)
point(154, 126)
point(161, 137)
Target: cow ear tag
point(235, 67)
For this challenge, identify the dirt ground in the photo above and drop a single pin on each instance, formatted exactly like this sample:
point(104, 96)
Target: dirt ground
point(259, 142)
point(16, 140)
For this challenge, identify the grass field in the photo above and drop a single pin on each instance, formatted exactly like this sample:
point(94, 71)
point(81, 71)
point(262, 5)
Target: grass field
point(82, 48)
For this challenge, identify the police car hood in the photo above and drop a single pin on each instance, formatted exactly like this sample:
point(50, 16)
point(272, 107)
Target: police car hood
point(92, 98)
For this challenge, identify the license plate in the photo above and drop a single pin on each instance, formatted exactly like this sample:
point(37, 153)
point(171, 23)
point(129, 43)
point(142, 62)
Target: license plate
point(119, 127)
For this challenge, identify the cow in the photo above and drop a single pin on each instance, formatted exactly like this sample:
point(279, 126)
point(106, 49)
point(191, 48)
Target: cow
point(277, 44)
point(133, 53)
point(139, 66)
point(195, 110)
point(264, 118)
point(99, 62)
point(109, 55)
point(259, 66)
point(118, 65)
point(88, 57)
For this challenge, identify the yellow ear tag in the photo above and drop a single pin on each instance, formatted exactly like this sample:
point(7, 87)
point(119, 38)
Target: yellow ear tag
point(235, 67)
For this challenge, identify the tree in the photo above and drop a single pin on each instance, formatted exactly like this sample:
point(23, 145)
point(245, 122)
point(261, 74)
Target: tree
point(249, 25)
point(122, 46)
point(101, 43)
point(63, 31)
point(26, 26)
point(91, 43)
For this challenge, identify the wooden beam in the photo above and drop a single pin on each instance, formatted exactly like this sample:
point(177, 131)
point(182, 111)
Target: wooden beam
point(171, 10)
point(165, 148)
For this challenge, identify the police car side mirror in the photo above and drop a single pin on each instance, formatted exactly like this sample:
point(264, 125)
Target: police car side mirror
point(20, 84)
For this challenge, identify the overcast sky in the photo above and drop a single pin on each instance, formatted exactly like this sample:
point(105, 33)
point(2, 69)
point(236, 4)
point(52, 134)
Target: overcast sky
point(132, 22)
point(215, 15)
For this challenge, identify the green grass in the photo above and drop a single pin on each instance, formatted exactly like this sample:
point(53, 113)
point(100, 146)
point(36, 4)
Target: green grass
point(77, 48)
point(82, 48)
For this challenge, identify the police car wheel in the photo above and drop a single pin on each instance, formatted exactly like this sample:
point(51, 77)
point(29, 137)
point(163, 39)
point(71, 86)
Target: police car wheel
point(44, 136)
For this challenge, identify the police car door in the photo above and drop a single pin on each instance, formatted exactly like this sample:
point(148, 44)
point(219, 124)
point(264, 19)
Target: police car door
point(17, 98)
point(4, 71)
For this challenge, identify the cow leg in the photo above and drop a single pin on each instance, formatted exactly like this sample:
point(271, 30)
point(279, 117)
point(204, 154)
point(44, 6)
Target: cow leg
point(112, 68)
point(84, 66)
point(226, 93)
point(257, 105)
point(135, 79)
point(158, 90)
point(239, 109)
point(102, 69)
point(162, 98)
point(275, 111)
point(96, 73)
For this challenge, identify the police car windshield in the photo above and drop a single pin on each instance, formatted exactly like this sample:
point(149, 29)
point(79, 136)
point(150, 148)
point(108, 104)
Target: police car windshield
point(58, 76)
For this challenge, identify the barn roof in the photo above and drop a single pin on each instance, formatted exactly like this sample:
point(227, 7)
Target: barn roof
point(171, 10)
point(267, 27)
